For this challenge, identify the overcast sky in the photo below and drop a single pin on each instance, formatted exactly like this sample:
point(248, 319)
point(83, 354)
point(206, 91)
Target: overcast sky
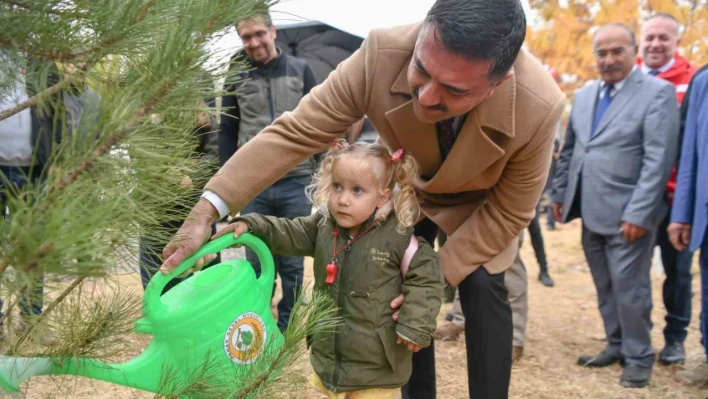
point(357, 17)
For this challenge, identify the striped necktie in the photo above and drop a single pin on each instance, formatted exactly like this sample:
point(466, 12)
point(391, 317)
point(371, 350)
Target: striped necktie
point(654, 72)
point(446, 137)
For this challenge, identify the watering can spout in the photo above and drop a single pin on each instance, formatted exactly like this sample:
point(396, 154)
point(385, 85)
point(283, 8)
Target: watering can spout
point(14, 370)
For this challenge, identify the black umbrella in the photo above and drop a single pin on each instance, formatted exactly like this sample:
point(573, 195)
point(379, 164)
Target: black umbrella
point(322, 45)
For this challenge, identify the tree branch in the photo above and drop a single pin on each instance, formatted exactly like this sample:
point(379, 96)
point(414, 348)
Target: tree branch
point(32, 101)
point(72, 55)
point(47, 311)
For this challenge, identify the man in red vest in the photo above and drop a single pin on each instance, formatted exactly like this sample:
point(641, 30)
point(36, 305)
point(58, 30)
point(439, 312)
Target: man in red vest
point(660, 38)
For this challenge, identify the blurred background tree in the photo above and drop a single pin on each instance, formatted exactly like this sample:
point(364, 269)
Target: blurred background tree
point(560, 31)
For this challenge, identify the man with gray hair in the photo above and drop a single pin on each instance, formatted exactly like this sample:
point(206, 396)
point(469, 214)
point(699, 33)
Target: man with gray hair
point(659, 40)
point(619, 148)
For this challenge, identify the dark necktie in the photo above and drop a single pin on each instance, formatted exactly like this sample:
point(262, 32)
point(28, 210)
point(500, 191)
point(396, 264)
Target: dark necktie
point(446, 136)
point(602, 105)
point(653, 72)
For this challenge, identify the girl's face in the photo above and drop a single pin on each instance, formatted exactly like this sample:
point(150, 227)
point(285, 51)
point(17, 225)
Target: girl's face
point(355, 192)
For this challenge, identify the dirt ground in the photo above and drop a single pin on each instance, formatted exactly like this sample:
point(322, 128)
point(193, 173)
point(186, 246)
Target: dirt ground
point(563, 323)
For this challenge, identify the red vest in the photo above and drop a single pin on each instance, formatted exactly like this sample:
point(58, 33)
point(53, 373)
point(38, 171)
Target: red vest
point(680, 75)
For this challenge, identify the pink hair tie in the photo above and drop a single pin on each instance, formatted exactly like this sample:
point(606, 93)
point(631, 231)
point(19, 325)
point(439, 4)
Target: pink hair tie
point(338, 143)
point(396, 156)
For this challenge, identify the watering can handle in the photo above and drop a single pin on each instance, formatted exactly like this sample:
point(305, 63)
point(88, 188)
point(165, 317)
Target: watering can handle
point(153, 291)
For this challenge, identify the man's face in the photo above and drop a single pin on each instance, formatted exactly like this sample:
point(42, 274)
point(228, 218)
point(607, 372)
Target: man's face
point(659, 41)
point(258, 40)
point(445, 84)
point(614, 54)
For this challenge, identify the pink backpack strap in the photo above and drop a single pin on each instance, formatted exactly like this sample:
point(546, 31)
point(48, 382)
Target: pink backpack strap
point(408, 255)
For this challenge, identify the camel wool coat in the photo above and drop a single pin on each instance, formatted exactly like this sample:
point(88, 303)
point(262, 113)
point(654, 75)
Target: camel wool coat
point(482, 195)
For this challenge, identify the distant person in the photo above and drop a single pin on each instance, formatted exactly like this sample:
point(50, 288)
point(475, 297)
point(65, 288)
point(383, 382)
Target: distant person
point(29, 138)
point(618, 153)
point(660, 37)
point(689, 215)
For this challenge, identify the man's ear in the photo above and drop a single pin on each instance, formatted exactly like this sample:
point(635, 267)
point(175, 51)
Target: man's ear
point(273, 32)
point(497, 83)
point(384, 198)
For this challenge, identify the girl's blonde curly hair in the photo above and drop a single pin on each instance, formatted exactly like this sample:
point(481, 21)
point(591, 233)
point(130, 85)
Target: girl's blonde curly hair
point(395, 172)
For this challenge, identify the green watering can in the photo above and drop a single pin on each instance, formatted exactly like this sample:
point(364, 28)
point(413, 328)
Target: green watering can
point(221, 313)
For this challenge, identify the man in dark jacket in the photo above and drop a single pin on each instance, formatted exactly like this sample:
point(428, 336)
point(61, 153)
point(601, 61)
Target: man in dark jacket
point(273, 84)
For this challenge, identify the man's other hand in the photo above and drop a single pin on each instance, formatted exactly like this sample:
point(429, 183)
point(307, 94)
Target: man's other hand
point(632, 232)
point(679, 235)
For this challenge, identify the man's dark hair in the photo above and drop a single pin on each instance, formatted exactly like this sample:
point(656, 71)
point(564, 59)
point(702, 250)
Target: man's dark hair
point(627, 28)
point(491, 30)
point(665, 16)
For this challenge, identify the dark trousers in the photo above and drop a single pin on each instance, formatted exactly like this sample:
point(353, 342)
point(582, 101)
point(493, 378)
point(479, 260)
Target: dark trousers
point(704, 293)
point(537, 243)
point(550, 220)
point(151, 255)
point(17, 178)
point(677, 286)
point(285, 199)
point(488, 336)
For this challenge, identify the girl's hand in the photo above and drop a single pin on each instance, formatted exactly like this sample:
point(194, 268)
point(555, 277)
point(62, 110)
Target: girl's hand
point(237, 228)
point(412, 346)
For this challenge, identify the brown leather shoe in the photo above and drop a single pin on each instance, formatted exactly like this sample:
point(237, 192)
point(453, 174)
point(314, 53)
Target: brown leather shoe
point(448, 332)
point(516, 353)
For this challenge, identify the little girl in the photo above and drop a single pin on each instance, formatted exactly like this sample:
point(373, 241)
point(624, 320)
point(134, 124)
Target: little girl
point(365, 255)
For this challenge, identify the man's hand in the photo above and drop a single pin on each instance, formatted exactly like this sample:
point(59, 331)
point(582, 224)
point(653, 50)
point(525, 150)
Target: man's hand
point(395, 304)
point(412, 346)
point(190, 237)
point(557, 209)
point(679, 235)
point(632, 232)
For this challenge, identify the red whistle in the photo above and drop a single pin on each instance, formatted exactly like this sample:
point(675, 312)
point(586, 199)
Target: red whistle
point(331, 270)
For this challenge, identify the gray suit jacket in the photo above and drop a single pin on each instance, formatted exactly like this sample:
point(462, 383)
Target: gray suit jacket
point(622, 171)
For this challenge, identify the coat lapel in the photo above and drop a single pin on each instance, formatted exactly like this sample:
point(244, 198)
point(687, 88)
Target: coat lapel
point(495, 114)
point(619, 101)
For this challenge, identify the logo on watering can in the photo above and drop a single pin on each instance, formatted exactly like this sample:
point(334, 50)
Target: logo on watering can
point(245, 338)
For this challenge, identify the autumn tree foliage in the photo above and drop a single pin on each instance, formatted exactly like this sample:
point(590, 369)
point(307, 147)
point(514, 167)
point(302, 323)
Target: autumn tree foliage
point(560, 31)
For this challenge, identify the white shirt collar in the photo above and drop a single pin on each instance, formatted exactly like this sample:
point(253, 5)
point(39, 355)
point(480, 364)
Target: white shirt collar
point(618, 85)
point(663, 69)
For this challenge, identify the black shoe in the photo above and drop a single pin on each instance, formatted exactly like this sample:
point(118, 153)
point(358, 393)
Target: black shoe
point(449, 316)
point(673, 353)
point(602, 360)
point(545, 279)
point(635, 376)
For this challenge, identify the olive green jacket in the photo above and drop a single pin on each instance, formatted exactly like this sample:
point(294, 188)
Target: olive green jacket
point(362, 352)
